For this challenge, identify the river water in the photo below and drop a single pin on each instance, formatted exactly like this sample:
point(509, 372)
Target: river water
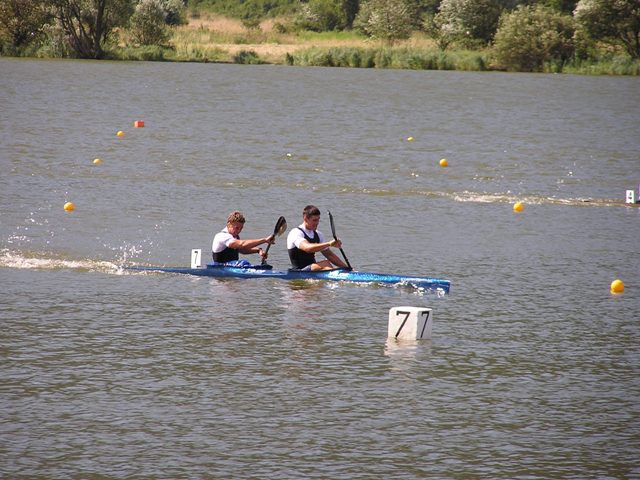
point(533, 367)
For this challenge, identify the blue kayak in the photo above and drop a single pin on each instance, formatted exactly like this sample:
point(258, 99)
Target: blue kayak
point(339, 274)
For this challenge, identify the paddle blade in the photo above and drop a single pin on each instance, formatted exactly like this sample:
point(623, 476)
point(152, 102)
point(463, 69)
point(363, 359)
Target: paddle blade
point(281, 227)
point(333, 230)
point(333, 227)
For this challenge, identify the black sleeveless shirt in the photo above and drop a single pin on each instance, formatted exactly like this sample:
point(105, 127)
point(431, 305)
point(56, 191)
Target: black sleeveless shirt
point(226, 255)
point(300, 258)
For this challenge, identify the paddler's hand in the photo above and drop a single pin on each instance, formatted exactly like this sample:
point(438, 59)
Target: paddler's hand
point(336, 242)
point(262, 253)
point(270, 240)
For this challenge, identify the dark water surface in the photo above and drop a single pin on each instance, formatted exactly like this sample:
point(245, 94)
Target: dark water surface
point(533, 370)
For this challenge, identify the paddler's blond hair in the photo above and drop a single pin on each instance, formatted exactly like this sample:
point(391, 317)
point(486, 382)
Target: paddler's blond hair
point(235, 217)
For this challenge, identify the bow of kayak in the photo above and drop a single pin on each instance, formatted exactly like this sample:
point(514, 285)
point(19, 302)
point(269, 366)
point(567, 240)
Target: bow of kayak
point(222, 271)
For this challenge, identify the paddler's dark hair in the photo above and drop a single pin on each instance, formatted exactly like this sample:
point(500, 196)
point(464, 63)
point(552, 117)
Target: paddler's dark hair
point(235, 217)
point(310, 211)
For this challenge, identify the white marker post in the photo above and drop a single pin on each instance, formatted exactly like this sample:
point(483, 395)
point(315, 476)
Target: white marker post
point(410, 323)
point(631, 196)
point(196, 258)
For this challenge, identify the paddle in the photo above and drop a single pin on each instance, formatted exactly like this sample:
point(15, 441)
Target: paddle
point(333, 230)
point(280, 228)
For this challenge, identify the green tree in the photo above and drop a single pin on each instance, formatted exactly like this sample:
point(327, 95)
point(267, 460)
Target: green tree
point(467, 21)
point(321, 16)
point(246, 9)
point(564, 6)
point(611, 21)
point(350, 9)
point(22, 21)
point(529, 37)
point(174, 12)
point(147, 24)
point(387, 20)
point(88, 24)
point(428, 6)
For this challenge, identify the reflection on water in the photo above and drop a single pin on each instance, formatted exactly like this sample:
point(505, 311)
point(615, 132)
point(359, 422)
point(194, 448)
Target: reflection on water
point(404, 351)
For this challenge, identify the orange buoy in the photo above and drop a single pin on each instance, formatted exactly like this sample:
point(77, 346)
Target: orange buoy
point(120, 133)
point(617, 286)
point(69, 207)
point(518, 207)
point(444, 163)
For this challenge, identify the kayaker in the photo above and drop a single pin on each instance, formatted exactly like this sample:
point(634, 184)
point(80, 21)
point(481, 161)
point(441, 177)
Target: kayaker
point(305, 241)
point(227, 245)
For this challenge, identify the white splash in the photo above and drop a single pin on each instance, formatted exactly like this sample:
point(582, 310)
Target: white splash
point(15, 259)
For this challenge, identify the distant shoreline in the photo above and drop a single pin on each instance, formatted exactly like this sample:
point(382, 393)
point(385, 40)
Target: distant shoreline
point(208, 38)
point(211, 38)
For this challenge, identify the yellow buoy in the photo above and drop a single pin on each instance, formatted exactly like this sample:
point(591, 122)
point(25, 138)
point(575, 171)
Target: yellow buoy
point(97, 161)
point(69, 207)
point(518, 207)
point(409, 139)
point(120, 133)
point(444, 163)
point(617, 286)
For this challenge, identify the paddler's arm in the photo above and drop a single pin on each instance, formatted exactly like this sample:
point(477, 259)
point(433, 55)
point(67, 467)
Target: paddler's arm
point(333, 258)
point(309, 247)
point(251, 246)
point(325, 249)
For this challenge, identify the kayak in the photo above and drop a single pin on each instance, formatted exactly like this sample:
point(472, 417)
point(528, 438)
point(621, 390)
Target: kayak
point(266, 271)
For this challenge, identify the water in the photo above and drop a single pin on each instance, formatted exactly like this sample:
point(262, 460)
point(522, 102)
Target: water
point(532, 370)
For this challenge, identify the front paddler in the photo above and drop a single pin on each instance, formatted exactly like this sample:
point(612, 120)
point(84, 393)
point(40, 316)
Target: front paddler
point(305, 241)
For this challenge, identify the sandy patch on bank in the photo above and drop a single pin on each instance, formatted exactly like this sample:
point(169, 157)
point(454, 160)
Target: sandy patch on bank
point(261, 49)
point(230, 27)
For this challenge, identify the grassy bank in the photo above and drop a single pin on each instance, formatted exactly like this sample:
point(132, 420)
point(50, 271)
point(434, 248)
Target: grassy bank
point(211, 38)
